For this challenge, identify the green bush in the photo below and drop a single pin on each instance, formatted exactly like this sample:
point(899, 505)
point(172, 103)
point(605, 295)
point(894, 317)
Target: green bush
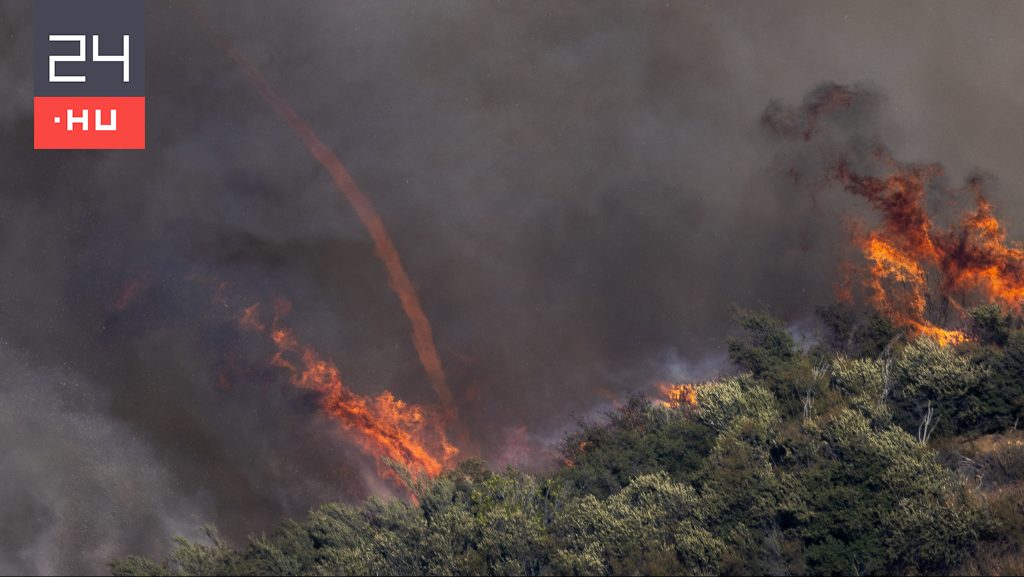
point(808, 463)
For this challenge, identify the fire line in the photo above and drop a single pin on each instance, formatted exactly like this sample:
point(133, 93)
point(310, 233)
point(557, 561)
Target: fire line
point(383, 426)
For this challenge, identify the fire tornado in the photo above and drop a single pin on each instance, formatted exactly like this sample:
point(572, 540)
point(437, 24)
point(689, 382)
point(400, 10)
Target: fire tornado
point(384, 245)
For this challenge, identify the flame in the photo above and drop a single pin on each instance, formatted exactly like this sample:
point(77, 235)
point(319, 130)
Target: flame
point(976, 255)
point(578, 450)
point(676, 395)
point(918, 271)
point(904, 301)
point(383, 426)
point(972, 257)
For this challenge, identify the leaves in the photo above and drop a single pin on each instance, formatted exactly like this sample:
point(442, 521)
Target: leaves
point(749, 482)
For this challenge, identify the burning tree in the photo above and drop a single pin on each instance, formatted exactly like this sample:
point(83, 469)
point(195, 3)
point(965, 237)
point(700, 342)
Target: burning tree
point(919, 274)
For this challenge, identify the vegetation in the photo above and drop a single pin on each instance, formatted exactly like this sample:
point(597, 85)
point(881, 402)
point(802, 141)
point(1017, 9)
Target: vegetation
point(871, 453)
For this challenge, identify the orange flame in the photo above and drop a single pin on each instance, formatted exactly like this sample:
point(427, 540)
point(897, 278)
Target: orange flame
point(904, 301)
point(971, 257)
point(579, 449)
point(383, 426)
point(977, 255)
point(913, 264)
point(676, 395)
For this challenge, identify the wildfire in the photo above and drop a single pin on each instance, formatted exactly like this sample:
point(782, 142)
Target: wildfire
point(917, 270)
point(676, 395)
point(977, 255)
point(384, 426)
point(384, 246)
point(972, 257)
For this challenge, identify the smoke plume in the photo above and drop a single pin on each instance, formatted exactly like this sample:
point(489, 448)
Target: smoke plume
point(578, 192)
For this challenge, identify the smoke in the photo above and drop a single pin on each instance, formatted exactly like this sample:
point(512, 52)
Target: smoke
point(78, 486)
point(578, 191)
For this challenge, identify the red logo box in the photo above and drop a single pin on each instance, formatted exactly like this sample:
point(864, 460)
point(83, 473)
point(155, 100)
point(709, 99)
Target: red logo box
point(89, 74)
point(90, 122)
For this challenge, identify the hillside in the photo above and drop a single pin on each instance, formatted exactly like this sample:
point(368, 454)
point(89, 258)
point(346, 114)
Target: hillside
point(871, 452)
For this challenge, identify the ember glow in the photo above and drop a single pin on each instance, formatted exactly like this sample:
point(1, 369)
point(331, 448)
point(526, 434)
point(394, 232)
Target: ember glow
point(676, 395)
point(384, 426)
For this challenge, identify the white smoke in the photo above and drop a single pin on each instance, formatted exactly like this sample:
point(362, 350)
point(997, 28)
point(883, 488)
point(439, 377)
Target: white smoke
point(77, 485)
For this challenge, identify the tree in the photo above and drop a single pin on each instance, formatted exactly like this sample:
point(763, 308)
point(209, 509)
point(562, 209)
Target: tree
point(653, 526)
point(765, 344)
point(935, 389)
point(749, 481)
point(991, 325)
point(855, 334)
point(603, 457)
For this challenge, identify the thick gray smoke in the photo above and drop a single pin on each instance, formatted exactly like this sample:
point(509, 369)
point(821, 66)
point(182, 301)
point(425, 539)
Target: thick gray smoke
point(78, 485)
point(579, 189)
